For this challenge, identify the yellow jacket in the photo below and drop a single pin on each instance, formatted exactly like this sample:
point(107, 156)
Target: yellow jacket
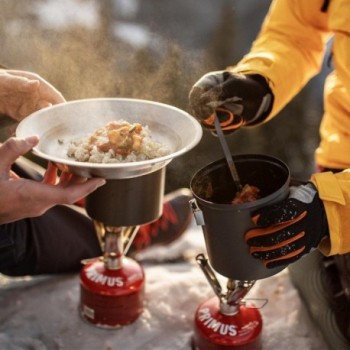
point(289, 51)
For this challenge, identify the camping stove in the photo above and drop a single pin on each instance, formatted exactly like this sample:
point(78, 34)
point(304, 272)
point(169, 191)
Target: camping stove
point(112, 286)
point(225, 322)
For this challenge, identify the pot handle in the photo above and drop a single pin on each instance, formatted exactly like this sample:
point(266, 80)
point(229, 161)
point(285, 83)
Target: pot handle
point(197, 212)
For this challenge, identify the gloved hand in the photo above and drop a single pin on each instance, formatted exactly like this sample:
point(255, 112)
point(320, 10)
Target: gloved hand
point(288, 230)
point(247, 96)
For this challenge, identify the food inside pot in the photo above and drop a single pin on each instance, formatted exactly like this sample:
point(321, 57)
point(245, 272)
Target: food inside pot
point(117, 141)
point(247, 194)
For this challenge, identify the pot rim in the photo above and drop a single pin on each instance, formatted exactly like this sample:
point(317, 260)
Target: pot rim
point(247, 205)
point(55, 122)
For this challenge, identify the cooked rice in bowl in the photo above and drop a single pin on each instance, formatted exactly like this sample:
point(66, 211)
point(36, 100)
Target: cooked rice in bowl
point(116, 142)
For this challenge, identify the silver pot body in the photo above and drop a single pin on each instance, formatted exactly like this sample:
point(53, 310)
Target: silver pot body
point(224, 224)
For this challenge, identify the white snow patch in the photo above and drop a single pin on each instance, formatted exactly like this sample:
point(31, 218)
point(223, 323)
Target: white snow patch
point(42, 313)
point(64, 13)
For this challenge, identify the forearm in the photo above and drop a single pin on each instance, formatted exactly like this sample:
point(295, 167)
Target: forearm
point(288, 51)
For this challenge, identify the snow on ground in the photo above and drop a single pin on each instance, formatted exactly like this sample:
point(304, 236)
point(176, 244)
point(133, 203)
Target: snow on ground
point(62, 14)
point(42, 313)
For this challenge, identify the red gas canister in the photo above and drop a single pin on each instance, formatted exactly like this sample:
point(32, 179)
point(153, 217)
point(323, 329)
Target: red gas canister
point(110, 298)
point(215, 330)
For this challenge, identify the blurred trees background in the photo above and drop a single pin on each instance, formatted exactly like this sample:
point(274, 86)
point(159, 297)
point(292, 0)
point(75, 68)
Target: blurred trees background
point(178, 42)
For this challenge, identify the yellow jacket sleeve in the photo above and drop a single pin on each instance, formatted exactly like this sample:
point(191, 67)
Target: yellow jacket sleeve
point(334, 191)
point(288, 52)
point(334, 148)
point(289, 49)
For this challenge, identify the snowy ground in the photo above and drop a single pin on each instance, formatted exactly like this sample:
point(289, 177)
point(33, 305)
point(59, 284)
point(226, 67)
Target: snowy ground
point(42, 313)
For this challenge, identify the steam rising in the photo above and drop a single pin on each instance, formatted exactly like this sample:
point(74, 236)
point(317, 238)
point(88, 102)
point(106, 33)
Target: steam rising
point(87, 59)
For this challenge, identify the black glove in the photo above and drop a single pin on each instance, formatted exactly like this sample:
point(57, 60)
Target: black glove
point(288, 230)
point(247, 96)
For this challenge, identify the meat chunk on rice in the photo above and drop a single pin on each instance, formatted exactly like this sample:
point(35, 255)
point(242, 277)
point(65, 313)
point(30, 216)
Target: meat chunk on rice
point(117, 141)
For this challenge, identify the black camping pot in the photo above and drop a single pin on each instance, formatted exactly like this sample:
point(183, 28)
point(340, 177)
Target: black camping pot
point(128, 202)
point(223, 223)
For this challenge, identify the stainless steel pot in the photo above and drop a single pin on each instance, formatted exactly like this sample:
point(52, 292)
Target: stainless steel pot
point(224, 224)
